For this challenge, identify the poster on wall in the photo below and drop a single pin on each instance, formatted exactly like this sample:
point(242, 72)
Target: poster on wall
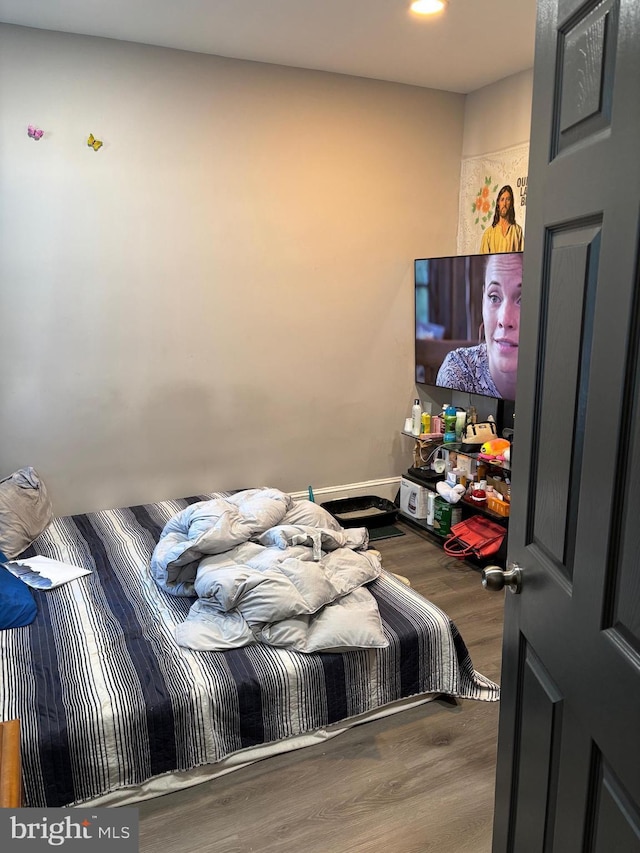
point(493, 202)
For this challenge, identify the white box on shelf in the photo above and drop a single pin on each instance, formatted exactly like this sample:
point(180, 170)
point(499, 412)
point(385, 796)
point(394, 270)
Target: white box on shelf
point(467, 466)
point(413, 499)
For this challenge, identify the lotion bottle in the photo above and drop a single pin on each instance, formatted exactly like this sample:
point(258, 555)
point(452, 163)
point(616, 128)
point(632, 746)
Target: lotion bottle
point(416, 418)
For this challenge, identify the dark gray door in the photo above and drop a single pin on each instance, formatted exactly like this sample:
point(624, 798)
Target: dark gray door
point(569, 744)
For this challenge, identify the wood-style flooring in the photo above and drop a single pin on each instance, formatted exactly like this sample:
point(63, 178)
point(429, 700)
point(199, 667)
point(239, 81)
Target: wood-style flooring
point(416, 782)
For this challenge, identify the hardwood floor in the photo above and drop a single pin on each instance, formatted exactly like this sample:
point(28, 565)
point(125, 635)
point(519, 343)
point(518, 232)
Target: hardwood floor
point(416, 782)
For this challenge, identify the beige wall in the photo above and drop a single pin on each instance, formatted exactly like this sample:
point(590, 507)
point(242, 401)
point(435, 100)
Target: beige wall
point(498, 116)
point(222, 296)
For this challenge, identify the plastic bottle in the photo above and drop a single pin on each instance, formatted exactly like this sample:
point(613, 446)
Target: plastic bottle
point(450, 414)
point(416, 418)
point(426, 423)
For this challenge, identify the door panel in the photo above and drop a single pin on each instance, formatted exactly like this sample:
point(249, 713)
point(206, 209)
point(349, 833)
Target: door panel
point(622, 605)
point(617, 826)
point(538, 741)
point(568, 296)
point(586, 49)
point(569, 745)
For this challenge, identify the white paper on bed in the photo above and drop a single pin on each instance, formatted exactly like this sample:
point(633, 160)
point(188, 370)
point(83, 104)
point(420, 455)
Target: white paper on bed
point(55, 571)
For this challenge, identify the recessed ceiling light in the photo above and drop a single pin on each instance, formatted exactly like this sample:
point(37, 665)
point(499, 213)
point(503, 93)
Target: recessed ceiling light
point(428, 7)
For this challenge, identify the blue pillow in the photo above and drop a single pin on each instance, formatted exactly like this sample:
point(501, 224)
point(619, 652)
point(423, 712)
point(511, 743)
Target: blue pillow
point(17, 605)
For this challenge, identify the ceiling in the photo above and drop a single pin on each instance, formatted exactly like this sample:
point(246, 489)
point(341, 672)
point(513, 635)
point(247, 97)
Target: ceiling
point(470, 45)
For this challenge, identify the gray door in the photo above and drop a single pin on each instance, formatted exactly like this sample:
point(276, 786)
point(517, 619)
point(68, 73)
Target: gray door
point(569, 743)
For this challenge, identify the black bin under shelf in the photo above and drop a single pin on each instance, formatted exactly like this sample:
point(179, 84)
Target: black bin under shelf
point(366, 511)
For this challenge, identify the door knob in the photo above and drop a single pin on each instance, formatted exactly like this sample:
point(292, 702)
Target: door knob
point(495, 579)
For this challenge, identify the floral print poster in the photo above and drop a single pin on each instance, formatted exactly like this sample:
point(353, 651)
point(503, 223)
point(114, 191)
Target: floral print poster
point(481, 179)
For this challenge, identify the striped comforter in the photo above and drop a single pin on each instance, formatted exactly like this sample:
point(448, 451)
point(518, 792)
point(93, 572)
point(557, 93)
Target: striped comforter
point(108, 700)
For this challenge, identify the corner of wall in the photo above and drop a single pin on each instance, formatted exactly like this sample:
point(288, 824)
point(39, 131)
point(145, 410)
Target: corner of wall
point(484, 129)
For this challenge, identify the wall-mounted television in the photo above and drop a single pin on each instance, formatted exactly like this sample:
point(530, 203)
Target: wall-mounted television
point(467, 322)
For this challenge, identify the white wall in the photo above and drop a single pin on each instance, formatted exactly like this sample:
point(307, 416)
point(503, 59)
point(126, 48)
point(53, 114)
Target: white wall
point(498, 116)
point(222, 296)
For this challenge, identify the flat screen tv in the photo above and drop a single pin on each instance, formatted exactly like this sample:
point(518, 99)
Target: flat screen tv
point(467, 322)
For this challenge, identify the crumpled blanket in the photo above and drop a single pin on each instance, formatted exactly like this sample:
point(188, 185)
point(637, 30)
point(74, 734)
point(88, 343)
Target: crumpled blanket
point(267, 569)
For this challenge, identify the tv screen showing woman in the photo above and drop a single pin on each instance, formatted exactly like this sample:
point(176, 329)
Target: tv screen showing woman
point(468, 323)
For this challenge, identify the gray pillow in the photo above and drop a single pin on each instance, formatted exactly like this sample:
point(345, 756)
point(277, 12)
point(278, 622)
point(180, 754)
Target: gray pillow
point(25, 510)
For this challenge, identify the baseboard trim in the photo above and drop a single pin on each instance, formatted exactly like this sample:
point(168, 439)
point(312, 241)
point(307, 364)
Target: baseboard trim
point(385, 488)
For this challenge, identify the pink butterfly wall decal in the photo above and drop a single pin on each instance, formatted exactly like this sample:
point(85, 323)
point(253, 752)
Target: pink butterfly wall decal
point(34, 132)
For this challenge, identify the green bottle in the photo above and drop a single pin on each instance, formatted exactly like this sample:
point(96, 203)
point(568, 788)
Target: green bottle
point(450, 423)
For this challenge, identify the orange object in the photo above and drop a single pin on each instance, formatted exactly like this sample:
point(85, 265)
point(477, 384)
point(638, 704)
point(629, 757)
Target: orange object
point(495, 446)
point(499, 507)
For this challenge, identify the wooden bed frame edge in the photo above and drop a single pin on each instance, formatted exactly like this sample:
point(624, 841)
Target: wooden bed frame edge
point(10, 770)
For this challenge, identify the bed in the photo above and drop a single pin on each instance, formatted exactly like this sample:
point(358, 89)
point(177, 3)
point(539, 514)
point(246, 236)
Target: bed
point(112, 710)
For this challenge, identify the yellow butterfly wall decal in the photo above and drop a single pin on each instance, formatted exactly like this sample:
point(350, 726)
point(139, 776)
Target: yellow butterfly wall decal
point(94, 143)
